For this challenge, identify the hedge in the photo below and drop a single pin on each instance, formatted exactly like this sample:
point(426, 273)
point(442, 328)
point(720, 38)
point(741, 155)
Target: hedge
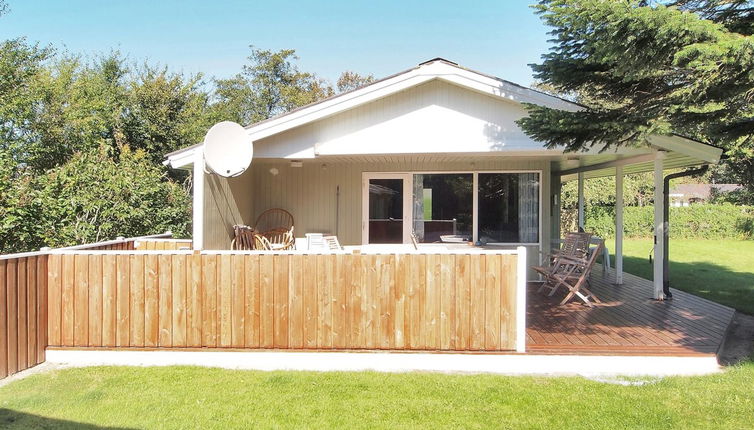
point(702, 221)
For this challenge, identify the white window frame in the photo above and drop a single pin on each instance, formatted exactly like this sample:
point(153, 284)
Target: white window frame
point(408, 178)
point(408, 191)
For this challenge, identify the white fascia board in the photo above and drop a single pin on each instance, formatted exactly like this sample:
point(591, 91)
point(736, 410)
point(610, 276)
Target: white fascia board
point(183, 160)
point(687, 147)
point(421, 74)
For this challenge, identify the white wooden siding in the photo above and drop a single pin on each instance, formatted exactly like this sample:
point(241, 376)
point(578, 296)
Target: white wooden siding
point(227, 201)
point(309, 192)
point(434, 117)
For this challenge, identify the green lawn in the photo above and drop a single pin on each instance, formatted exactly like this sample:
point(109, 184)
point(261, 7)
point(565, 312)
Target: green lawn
point(719, 270)
point(191, 397)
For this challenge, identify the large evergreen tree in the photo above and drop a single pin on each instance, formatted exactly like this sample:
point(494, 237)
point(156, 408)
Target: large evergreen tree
point(645, 67)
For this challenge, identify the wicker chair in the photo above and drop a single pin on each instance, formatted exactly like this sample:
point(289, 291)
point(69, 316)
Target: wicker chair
point(273, 219)
point(280, 238)
point(276, 226)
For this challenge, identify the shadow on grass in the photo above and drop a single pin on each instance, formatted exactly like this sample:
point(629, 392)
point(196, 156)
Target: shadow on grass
point(10, 419)
point(707, 280)
point(630, 318)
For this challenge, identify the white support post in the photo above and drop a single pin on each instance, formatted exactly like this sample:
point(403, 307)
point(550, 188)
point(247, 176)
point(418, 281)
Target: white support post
point(521, 267)
point(619, 225)
point(581, 200)
point(198, 202)
point(659, 227)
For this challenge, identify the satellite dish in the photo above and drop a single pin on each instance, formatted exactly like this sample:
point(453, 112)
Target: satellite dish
point(227, 149)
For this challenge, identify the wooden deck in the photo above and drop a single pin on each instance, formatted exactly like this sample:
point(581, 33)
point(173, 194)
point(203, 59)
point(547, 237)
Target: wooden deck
point(628, 321)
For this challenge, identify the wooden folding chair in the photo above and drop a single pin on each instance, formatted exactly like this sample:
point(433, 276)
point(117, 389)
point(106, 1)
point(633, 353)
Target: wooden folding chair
point(573, 274)
point(575, 244)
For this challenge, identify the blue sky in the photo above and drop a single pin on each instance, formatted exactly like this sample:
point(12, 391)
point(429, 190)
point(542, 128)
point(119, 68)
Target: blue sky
point(379, 37)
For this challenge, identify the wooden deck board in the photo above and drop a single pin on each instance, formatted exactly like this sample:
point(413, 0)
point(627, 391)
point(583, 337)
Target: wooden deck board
point(628, 321)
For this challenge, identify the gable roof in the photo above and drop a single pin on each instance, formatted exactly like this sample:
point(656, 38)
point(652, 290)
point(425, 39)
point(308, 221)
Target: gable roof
point(434, 69)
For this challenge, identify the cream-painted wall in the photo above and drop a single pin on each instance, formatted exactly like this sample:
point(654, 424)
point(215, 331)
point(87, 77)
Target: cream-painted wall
point(310, 192)
point(227, 201)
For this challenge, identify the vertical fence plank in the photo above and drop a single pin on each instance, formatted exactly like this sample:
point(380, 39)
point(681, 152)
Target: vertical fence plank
point(295, 302)
point(252, 301)
point(165, 312)
point(81, 300)
point(224, 280)
point(385, 264)
point(209, 301)
point(508, 302)
point(95, 300)
point(368, 284)
point(267, 304)
point(21, 309)
point(179, 284)
point(280, 285)
point(123, 301)
point(42, 273)
point(463, 302)
point(447, 302)
point(12, 307)
point(399, 309)
point(31, 311)
point(151, 301)
point(68, 280)
point(109, 299)
point(355, 296)
point(238, 298)
point(492, 303)
point(4, 316)
point(138, 304)
point(432, 304)
point(194, 311)
point(416, 285)
point(477, 302)
point(324, 276)
point(311, 311)
point(54, 304)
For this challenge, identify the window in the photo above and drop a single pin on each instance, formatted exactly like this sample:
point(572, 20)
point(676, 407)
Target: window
point(442, 207)
point(508, 208)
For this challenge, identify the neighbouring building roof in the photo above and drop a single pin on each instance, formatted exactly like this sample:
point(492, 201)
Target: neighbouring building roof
point(701, 191)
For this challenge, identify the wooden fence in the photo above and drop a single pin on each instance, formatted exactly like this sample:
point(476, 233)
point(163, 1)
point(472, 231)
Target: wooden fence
point(283, 301)
point(23, 312)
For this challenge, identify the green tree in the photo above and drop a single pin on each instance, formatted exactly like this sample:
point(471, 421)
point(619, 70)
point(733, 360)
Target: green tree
point(94, 197)
point(349, 81)
point(641, 68)
point(271, 84)
point(164, 111)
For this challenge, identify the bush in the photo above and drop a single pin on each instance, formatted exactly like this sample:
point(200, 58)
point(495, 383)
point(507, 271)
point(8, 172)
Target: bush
point(704, 221)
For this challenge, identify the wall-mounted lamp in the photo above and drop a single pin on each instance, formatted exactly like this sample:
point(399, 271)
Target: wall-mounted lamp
point(274, 171)
point(296, 163)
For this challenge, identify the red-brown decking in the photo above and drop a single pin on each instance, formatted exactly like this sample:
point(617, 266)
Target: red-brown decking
point(628, 321)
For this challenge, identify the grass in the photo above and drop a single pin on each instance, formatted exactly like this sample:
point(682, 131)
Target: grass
point(719, 270)
point(191, 397)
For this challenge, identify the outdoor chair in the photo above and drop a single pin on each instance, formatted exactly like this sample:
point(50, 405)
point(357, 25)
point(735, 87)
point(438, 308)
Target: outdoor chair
point(573, 274)
point(575, 244)
point(273, 219)
point(280, 238)
point(243, 239)
point(276, 225)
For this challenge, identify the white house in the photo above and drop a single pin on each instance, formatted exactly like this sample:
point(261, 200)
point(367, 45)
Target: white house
point(433, 150)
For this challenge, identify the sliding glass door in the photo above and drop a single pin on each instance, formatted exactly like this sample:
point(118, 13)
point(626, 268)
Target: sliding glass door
point(501, 208)
point(387, 199)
